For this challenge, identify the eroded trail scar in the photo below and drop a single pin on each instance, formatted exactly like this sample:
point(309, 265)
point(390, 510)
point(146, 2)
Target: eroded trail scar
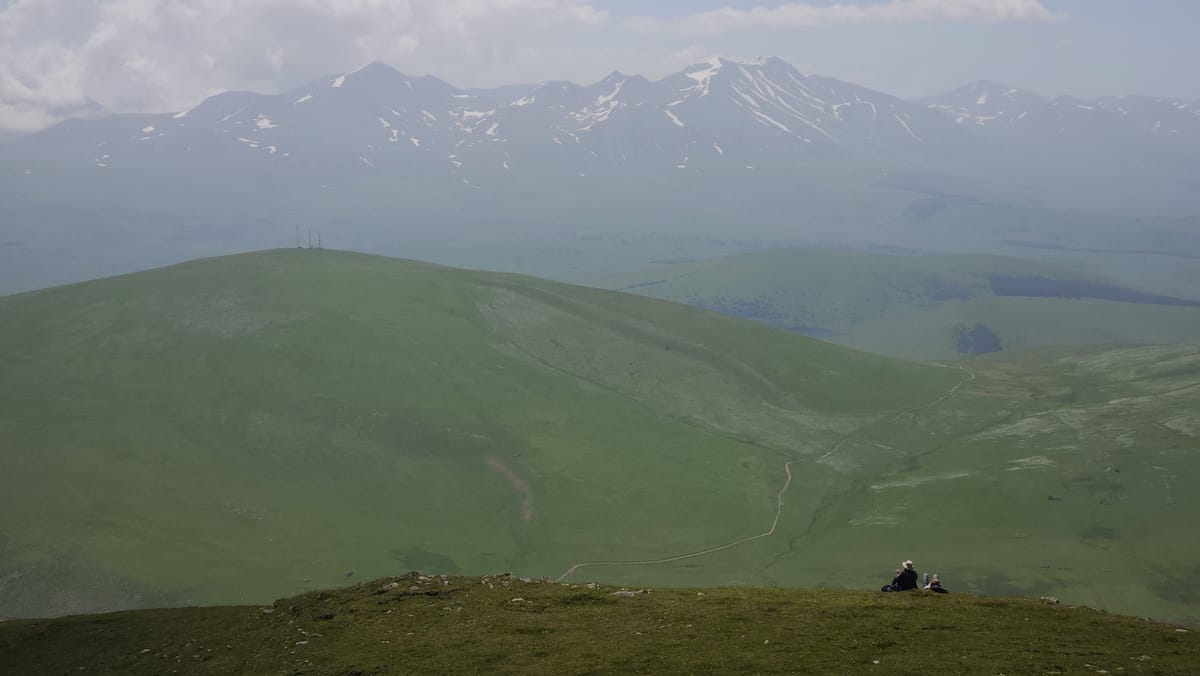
point(517, 483)
point(787, 468)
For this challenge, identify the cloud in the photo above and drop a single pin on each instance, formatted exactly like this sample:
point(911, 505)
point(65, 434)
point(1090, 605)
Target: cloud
point(802, 15)
point(163, 55)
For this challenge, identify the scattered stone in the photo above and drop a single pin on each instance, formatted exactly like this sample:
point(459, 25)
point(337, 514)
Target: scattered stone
point(1049, 599)
point(874, 661)
point(144, 651)
point(767, 641)
point(267, 611)
point(624, 593)
point(518, 599)
point(590, 585)
point(422, 578)
point(304, 642)
point(526, 580)
point(1182, 631)
point(390, 585)
point(1144, 658)
point(699, 593)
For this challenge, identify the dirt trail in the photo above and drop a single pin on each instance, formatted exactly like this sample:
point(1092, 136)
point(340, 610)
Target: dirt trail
point(519, 484)
point(787, 467)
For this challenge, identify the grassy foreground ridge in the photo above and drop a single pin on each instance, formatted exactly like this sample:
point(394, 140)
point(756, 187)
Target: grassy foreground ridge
point(238, 429)
point(502, 624)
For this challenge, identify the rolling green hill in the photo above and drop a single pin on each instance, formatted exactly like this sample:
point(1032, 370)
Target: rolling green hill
point(237, 429)
point(916, 306)
point(502, 624)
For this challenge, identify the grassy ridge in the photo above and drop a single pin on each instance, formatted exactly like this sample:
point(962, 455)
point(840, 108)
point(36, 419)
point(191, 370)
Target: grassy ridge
point(261, 424)
point(907, 306)
point(243, 428)
point(499, 624)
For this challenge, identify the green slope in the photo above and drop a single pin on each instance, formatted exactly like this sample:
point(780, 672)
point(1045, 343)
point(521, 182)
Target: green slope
point(258, 424)
point(499, 624)
point(909, 306)
point(238, 429)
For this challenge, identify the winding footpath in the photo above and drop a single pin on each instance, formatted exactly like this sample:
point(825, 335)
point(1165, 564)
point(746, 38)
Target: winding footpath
point(787, 468)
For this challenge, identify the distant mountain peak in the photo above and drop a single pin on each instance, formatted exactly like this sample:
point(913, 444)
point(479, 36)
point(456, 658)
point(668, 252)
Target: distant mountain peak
point(374, 71)
point(986, 88)
point(764, 61)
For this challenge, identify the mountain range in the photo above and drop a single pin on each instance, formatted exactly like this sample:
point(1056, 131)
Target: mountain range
point(717, 114)
point(559, 179)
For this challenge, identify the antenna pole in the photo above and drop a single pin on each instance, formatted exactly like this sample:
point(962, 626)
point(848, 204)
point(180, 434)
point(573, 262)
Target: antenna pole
point(310, 239)
point(297, 236)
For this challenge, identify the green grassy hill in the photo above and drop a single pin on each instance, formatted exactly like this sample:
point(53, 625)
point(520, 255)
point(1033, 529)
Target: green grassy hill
point(237, 429)
point(501, 624)
point(910, 306)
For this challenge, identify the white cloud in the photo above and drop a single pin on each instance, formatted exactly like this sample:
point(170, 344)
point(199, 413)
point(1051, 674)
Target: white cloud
point(800, 15)
point(162, 55)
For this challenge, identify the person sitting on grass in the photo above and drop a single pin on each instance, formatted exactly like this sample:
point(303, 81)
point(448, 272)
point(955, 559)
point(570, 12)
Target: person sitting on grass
point(935, 585)
point(905, 580)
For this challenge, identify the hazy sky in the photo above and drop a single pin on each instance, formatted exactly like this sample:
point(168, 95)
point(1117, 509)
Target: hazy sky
point(161, 55)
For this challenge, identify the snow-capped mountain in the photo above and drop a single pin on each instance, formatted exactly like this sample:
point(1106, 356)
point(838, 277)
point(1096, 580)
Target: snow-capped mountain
point(1112, 131)
point(987, 103)
point(720, 113)
point(722, 151)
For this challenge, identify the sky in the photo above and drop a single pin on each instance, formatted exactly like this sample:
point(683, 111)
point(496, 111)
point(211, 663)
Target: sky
point(167, 55)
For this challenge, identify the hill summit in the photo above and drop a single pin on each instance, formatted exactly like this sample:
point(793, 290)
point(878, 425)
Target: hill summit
point(504, 624)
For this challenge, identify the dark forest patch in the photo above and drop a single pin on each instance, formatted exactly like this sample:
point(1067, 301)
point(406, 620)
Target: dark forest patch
point(1052, 246)
point(974, 340)
point(645, 284)
point(1049, 287)
point(757, 309)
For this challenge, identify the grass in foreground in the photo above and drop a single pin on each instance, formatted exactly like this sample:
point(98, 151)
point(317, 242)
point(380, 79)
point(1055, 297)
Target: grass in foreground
point(501, 624)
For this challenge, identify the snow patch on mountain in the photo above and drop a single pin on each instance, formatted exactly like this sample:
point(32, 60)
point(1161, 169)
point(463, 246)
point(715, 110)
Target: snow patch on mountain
point(705, 73)
point(906, 127)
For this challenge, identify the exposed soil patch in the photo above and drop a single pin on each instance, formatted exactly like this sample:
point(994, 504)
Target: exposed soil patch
point(517, 483)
